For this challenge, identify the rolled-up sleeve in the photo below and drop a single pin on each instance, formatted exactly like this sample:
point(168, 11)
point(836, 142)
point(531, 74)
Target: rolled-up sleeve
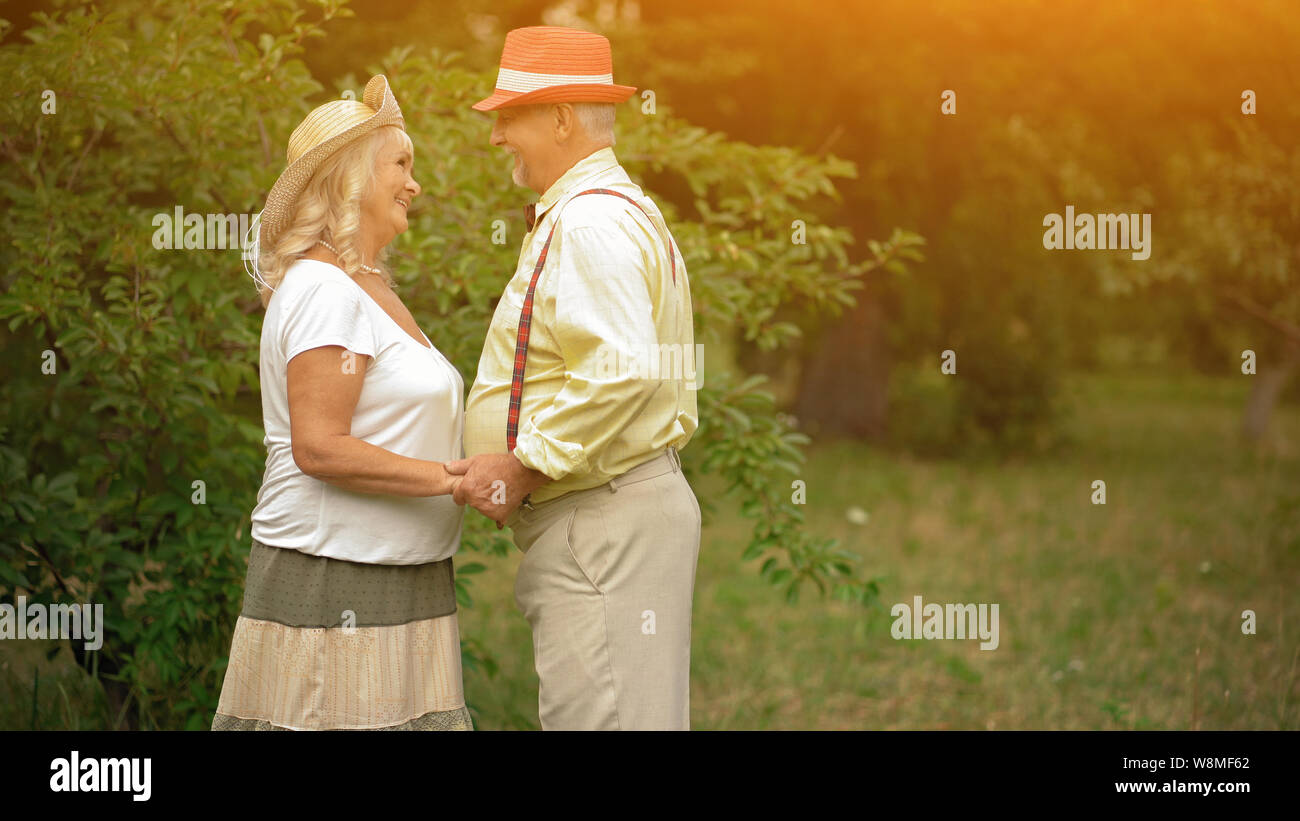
point(605, 330)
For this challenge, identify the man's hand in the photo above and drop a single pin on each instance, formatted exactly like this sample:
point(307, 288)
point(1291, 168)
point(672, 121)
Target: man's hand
point(494, 483)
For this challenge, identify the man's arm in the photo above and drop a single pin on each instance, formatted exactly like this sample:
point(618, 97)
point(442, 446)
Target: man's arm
point(603, 318)
point(604, 327)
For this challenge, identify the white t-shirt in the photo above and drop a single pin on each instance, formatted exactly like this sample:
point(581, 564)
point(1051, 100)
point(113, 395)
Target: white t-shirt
point(411, 403)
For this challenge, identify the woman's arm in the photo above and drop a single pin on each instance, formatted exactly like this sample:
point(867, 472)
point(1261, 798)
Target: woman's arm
point(322, 397)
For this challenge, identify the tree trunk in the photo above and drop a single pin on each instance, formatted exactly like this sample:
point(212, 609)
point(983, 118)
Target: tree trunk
point(1268, 385)
point(844, 381)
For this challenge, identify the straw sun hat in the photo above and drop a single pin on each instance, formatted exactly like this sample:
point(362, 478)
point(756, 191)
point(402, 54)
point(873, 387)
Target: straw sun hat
point(325, 130)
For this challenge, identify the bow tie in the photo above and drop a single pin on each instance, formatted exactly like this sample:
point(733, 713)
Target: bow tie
point(530, 215)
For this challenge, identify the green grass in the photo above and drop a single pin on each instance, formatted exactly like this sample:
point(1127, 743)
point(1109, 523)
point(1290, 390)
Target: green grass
point(1103, 608)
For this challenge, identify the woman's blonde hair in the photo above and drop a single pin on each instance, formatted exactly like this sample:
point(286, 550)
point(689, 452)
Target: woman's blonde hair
point(329, 209)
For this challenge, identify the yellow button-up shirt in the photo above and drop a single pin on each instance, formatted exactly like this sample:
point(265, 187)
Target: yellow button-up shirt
point(612, 368)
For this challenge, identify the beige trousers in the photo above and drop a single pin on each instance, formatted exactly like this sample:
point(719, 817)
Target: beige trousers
point(606, 582)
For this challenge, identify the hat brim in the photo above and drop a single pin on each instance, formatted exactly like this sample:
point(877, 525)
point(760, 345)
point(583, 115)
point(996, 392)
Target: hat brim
point(595, 93)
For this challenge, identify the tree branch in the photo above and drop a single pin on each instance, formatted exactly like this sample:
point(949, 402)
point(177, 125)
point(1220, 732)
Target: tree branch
point(9, 149)
point(1287, 329)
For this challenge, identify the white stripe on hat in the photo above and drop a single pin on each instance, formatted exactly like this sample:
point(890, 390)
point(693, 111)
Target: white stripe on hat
point(511, 80)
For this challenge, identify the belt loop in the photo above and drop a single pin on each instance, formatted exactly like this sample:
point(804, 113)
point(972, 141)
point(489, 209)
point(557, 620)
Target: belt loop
point(675, 459)
point(613, 485)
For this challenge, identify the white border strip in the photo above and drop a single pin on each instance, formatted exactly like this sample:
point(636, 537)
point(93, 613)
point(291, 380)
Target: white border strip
point(511, 80)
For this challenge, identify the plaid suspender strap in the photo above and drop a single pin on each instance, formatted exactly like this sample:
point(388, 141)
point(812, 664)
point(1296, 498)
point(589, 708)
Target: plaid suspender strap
point(526, 318)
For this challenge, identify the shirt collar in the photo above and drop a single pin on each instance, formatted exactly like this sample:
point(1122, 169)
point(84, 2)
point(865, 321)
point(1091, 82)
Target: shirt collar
point(595, 163)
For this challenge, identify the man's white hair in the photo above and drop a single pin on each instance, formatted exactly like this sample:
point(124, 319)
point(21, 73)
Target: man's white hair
point(597, 120)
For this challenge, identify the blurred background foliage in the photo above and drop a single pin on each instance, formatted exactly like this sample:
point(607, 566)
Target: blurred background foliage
point(762, 116)
point(1110, 107)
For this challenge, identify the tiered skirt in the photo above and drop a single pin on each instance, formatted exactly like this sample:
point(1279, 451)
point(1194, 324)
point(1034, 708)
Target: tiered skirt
point(326, 644)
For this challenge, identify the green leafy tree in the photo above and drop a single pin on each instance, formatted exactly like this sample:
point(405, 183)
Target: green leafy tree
point(1224, 221)
point(1235, 253)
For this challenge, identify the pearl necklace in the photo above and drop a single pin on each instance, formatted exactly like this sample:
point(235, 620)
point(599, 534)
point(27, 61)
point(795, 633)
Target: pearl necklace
point(364, 267)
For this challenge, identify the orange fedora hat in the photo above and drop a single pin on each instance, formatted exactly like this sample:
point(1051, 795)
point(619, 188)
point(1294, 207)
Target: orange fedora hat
point(553, 64)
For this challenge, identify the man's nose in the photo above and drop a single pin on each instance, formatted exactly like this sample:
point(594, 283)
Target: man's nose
point(498, 138)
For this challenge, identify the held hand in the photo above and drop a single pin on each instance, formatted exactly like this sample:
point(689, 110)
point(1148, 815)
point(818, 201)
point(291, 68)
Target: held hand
point(456, 470)
point(447, 482)
point(494, 483)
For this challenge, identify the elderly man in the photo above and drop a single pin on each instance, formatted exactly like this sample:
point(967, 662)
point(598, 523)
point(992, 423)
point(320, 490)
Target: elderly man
point(583, 399)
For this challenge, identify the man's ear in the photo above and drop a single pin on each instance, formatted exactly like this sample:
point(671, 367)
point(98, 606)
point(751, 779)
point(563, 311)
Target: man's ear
point(563, 119)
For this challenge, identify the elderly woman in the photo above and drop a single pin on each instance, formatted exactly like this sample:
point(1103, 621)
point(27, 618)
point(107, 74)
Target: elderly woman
point(349, 612)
